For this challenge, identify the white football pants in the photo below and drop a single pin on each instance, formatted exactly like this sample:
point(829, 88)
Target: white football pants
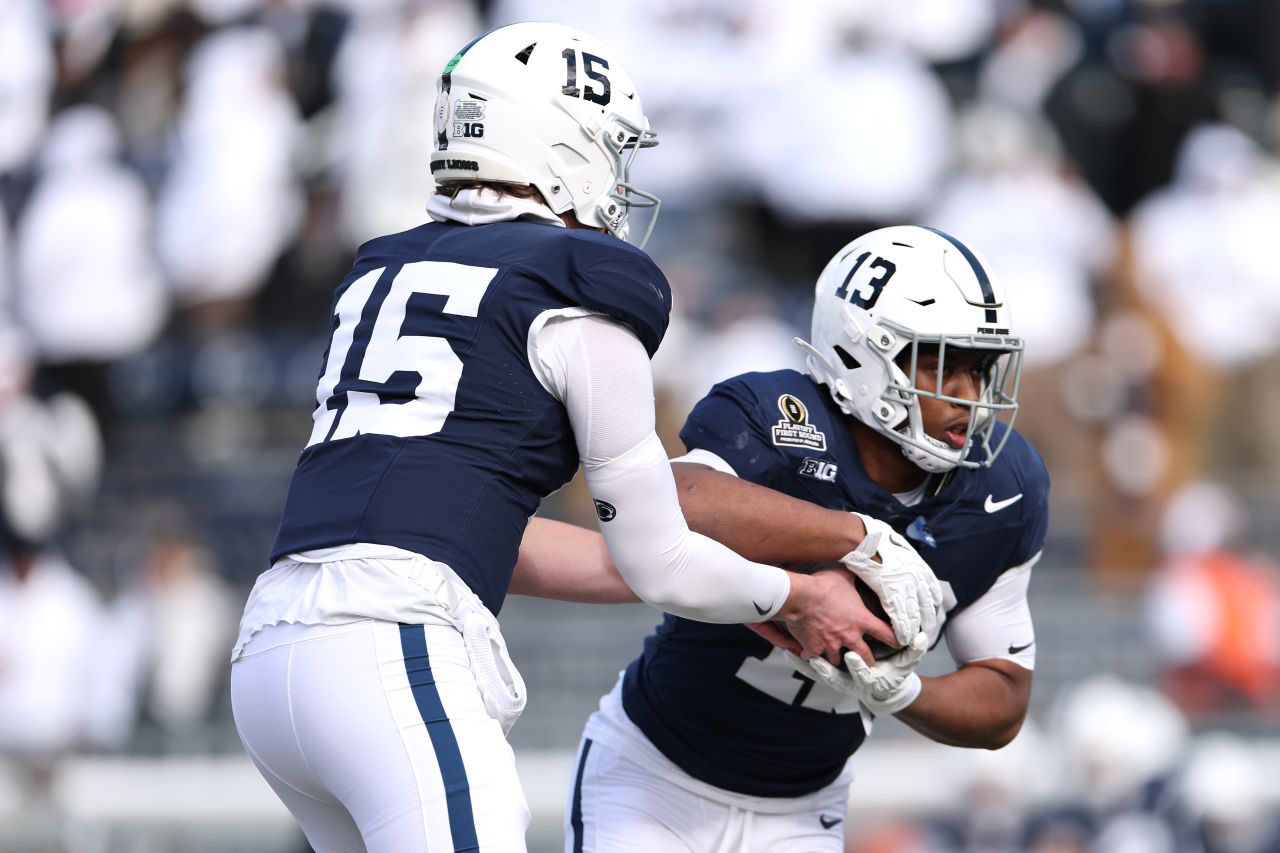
point(375, 736)
point(617, 805)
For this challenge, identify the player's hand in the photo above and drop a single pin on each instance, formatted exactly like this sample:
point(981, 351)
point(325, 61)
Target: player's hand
point(826, 616)
point(886, 687)
point(900, 578)
point(777, 635)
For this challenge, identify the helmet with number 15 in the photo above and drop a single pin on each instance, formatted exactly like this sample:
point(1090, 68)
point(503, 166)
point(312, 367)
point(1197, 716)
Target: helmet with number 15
point(545, 105)
point(897, 293)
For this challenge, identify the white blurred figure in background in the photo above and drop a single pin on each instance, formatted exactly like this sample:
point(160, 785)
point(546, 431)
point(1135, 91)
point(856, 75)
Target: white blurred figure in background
point(50, 615)
point(1211, 232)
point(191, 618)
point(1120, 743)
point(1223, 786)
point(87, 288)
point(875, 121)
point(1030, 53)
point(27, 76)
point(938, 31)
point(231, 204)
point(383, 121)
point(1213, 609)
point(997, 789)
point(1204, 264)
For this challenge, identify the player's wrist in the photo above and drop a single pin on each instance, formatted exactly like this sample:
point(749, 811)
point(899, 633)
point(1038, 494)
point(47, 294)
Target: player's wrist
point(902, 697)
point(802, 593)
point(857, 530)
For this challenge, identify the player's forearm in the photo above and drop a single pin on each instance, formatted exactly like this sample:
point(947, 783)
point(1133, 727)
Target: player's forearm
point(568, 563)
point(981, 705)
point(760, 523)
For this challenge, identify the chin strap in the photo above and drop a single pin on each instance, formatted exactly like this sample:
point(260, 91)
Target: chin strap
point(926, 460)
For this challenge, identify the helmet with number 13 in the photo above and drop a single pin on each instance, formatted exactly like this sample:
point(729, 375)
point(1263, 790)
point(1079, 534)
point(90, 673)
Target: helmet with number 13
point(548, 106)
point(898, 293)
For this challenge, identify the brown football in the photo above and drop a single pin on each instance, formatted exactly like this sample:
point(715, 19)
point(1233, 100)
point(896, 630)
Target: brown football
point(879, 650)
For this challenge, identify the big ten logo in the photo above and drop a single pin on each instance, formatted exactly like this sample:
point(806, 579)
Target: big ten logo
point(468, 119)
point(818, 470)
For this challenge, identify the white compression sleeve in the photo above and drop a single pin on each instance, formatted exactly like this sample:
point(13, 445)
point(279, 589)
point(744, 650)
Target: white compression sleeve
point(997, 625)
point(600, 371)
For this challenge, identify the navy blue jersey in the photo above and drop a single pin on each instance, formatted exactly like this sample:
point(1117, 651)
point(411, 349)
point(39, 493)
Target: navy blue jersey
point(433, 434)
point(718, 700)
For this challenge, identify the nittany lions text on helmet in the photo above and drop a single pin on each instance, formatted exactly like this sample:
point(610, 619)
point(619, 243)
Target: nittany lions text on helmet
point(545, 105)
point(885, 298)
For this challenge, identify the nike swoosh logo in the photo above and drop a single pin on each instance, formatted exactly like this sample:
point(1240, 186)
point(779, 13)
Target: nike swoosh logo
point(761, 610)
point(996, 506)
point(828, 822)
point(1013, 650)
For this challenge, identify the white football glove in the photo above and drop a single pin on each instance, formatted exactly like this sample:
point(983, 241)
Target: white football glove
point(906, 586)
point(885, 688)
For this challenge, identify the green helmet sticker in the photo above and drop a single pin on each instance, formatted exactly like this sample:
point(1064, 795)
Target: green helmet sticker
point(453, 63)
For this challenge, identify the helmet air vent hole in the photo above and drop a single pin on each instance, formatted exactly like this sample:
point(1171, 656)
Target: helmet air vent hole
point(849, 362)
point(523, 56)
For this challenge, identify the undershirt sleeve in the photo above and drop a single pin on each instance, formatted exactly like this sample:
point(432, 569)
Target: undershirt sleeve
point(600, 371)
point(997, 625)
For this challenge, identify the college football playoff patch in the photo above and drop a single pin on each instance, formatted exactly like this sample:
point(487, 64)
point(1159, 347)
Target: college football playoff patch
point(794, 430)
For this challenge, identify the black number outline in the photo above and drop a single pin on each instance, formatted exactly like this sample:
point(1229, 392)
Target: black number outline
point(877, 284)
point(806, 686)
point(589, 63)
point(888, 268)
point(570, 87)
point(842, 292)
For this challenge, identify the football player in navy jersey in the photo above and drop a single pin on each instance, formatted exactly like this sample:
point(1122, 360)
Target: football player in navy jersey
point(713, 739)
point(474, 363)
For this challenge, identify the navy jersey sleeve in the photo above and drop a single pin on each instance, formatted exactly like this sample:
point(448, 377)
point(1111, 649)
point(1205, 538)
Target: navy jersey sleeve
point(1032, 478)
point(606, 275)
point(728, 422)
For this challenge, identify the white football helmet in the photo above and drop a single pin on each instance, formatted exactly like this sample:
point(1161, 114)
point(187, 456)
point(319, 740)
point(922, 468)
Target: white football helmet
point(881, 299)
point(549, 106)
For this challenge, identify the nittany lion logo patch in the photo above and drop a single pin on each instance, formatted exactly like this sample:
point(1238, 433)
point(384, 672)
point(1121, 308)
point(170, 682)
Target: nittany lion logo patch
point(794, 430)
point(605, 511)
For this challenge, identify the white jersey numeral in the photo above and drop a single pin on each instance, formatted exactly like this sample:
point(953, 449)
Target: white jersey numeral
point(777, 678)
point(387, 354)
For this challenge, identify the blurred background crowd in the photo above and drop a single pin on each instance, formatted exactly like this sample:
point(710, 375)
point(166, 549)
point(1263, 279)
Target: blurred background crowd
point(184, 182)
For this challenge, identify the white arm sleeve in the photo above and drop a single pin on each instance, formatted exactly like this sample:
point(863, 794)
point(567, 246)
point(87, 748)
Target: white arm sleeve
point(997, 625)
point(698, 456)
point(600, 371)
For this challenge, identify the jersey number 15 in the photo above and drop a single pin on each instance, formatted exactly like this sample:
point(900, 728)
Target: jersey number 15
point(369, 358)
